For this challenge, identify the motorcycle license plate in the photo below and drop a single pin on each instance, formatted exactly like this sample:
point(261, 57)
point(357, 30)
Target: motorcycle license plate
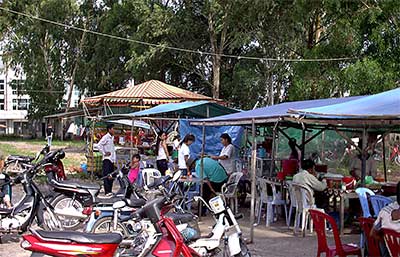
point(217, 204)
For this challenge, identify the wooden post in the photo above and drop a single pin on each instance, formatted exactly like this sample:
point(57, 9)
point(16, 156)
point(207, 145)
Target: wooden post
point(272, 166)
point(384, 157)
point(363, 156)
point(253, 179)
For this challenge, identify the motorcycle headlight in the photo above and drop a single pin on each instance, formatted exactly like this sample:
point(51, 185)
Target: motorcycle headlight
point(25, 244)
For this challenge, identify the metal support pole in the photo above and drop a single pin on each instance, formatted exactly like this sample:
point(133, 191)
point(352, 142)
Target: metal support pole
point(384, 157)
point(203, 142)
point(363, 156)
point(303, 142)
point(253, 179)
point(271, 168)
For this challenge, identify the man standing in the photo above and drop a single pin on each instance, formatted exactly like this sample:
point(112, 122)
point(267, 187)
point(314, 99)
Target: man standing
point(49, 134)
point(107, 149)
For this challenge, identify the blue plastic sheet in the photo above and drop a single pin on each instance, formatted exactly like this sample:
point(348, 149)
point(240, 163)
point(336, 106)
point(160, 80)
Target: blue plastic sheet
point(213, 144)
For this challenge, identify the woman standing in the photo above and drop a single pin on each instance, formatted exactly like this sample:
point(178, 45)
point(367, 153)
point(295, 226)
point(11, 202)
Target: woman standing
point(227, 156)
point(184, 154)
point(162, 153)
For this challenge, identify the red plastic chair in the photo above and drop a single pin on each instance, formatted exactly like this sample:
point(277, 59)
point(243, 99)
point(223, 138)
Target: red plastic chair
point(339, 249)
point(392, 239)
point(372, 244)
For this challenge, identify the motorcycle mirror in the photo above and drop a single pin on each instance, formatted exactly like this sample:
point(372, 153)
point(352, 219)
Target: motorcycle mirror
point(176, 176)
point(119, 205)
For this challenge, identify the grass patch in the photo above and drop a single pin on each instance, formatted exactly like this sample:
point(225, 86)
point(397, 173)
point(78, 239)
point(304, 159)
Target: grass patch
point(42, 141)
point(8, 149)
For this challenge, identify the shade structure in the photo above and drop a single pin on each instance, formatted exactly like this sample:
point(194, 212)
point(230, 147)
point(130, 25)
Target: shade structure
point(150, 93)
point(378, 106)
point(126, 122)
point(269, 114)
point(200, 109)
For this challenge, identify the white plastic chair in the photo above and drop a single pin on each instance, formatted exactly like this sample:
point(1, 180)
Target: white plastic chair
point(293, 203)
point(304, 201)
point(149, 175)
point(272, 202)
point(229, 190)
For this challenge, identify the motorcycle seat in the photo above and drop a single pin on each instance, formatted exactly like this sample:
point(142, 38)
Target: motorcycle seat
point(108, 200)
point(136, 203)
point(5, 211)
point(80, 237)
point(74, 184)
point(20, 158)
point(180, 218)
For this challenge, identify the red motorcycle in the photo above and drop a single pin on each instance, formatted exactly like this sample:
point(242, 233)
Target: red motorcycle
point(167, 242)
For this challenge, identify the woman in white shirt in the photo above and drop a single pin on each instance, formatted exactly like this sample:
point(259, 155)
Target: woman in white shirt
point(162, 153)
point(184, 153)
point(227, 156)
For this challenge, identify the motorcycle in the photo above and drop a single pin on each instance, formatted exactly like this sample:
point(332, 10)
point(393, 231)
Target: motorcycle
point(165, 241)
point(14, 163)
point(32, 205)
point(74, 202)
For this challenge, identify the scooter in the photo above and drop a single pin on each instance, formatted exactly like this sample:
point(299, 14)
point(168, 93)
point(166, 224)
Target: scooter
point(165, 242)
point(75, 202)
point(32, 206)
point(14, 163)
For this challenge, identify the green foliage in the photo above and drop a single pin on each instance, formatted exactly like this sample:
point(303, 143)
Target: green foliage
point(367, 32)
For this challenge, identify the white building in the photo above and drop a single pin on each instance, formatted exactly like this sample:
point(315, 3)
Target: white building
point(13, 105)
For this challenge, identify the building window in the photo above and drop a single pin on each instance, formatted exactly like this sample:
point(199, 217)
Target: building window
point(3, 127)
point(15, 104)
point(23, 104)
point(16, 85)
point(1, 104)
point(1, 87)
point(20, 104)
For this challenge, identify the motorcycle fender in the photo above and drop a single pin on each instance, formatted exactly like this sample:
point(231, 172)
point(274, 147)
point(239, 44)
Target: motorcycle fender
point(234, 244)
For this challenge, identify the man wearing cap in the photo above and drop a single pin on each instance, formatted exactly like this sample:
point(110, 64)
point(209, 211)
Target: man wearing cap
point(107, 149)
point(214, 175)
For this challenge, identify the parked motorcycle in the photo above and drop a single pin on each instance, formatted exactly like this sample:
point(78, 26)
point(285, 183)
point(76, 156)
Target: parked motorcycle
point(166, 241)
point(32, 206)
point(14, 163)
point(74, 201)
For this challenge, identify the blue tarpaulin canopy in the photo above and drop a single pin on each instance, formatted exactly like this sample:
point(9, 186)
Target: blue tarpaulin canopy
point(199, 109)
point(270, 113)
point(384, 105)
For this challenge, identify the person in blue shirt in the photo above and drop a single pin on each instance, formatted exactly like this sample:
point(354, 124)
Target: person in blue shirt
point(214, 175)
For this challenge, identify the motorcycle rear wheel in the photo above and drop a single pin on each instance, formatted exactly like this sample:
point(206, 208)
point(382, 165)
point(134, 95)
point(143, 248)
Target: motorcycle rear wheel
point(63, 201)
point(105, 225)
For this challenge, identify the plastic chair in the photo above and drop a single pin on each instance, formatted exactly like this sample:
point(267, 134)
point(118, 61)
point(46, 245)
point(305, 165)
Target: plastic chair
point(372, 245)
point(229, 190)
point(293, 203)
point(149, 175)
point(392, 240)
point(319, 218)
point(363, 193)
point(272, 202)
point(378, 202)
point(304, 201)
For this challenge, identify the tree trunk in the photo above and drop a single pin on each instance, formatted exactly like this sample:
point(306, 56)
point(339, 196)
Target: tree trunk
point(76, 62)
point(49, 69)
point(216, 76)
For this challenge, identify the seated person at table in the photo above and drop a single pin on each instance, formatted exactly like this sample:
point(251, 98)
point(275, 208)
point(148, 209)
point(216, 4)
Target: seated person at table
point(388, 217)
point(355, 166)
point(214, 175)
point(307, 176)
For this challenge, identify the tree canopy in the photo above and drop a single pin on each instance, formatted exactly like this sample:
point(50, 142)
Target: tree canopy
point(216, 37)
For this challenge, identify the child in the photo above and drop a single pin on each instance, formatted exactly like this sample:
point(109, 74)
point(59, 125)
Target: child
point(135, 168)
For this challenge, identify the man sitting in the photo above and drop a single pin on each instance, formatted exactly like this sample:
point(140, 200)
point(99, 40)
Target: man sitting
point(388, 217)
point(307, 177)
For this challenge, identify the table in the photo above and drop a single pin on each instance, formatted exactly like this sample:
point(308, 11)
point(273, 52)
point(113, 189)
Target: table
point(342, 194)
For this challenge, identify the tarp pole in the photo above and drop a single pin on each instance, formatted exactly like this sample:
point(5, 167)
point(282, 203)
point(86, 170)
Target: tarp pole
point(364, 156)
point(384, 157)
point(203, 142)
point(131, 151)
point(273, 152)
point(253, 178)
point(303, 142)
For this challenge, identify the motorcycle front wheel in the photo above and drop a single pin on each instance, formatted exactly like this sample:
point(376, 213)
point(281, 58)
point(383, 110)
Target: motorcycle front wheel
point(106, 225)
point(62, 202)
point(244, 251)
